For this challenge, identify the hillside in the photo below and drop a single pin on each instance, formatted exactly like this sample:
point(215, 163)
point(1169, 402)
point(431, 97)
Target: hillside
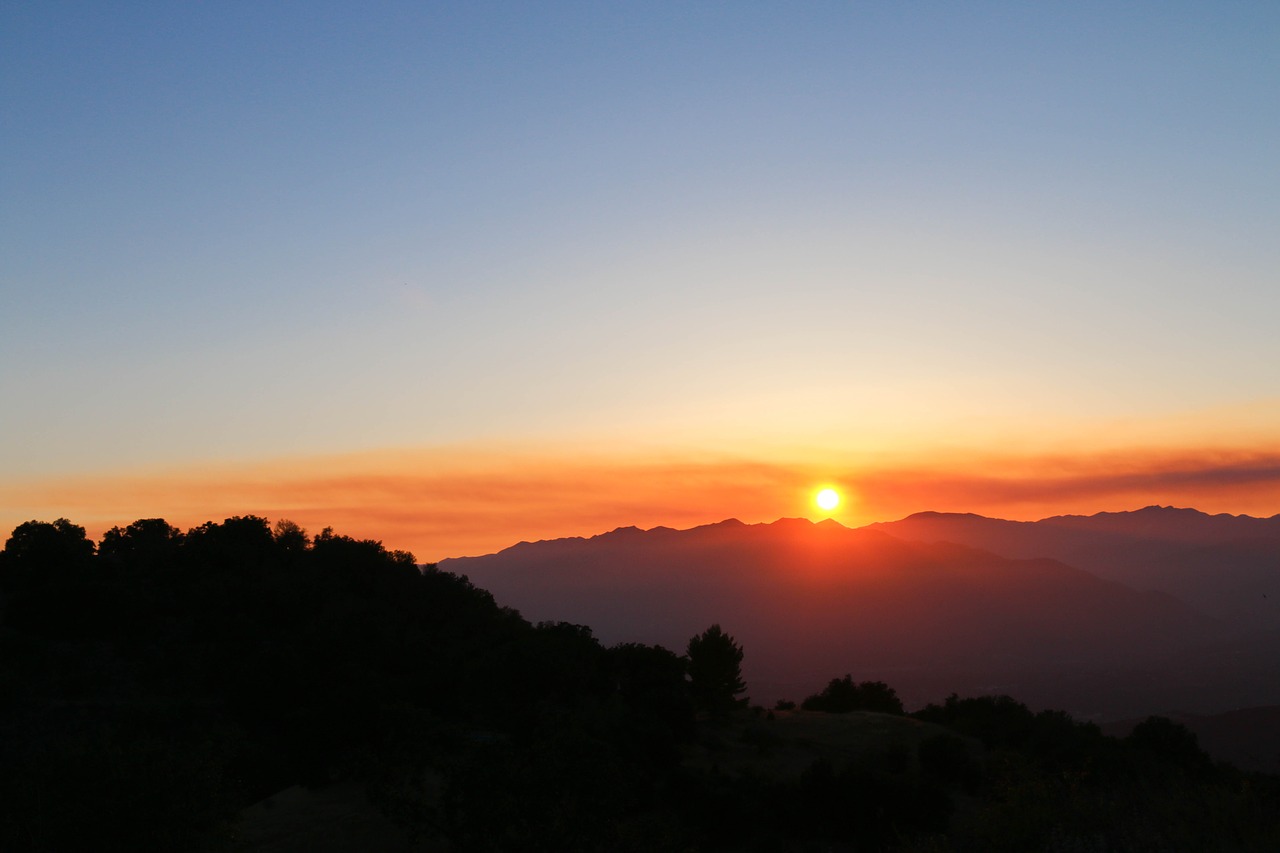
point(931, 617)
point(242, 686)
point(1225, 565)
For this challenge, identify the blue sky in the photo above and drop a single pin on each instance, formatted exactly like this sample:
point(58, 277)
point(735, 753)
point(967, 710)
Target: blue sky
point(249, 230)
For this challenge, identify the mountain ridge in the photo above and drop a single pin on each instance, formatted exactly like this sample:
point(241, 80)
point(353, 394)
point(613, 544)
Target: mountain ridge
point(818, 599)
point(1226, 565)
point(1147, 512)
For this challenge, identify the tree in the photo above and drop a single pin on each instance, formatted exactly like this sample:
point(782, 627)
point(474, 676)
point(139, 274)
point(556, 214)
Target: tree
point(48, 574)
point(843, 695)
point(240, 545)
point(715, 672)
point(649, 682)
point(41, 552)
point(1172, 742)
point(149, 544)
point(290, 537)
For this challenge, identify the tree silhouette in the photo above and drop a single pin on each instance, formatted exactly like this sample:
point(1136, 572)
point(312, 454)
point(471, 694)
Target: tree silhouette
point(147, 544)
point(649, 681)
point(290, 537)
point(40, 552)
point(47, 575)
point(842, 695)
point(241, 545)
point(715, 672)
point(1172, 742)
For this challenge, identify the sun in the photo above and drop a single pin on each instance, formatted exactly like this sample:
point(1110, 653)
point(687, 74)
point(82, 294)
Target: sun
point(828, 499)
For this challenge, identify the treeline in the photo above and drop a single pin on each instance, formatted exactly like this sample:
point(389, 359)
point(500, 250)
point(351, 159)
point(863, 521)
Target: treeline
point(154, 684)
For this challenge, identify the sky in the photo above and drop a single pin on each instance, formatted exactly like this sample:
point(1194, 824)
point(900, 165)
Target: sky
point(459, 275)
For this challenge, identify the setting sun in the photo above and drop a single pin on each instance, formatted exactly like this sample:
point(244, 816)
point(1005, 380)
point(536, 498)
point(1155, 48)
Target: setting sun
point(828, 499)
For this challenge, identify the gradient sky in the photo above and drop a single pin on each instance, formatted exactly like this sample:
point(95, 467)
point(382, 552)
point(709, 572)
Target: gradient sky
point(500, 255)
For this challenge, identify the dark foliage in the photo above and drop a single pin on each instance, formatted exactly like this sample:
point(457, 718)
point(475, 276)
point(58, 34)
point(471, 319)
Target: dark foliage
point(41, 552)
point(1166, 741)
point(715, 672)
point(153, 686)
point(157, 684)
point(951, 761)
point(1050, 782)
point(842, 695)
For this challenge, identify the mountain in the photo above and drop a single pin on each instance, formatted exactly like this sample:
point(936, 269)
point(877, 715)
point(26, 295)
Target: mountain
point(1225, 565)
point(810, 602)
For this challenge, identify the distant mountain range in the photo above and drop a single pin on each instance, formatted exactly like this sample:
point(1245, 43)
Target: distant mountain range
point(1225, 565)
point(1113, 615)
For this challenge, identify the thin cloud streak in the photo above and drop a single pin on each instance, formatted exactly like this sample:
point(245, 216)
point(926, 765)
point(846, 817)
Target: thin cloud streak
point(451, 504)
point(1032, 488)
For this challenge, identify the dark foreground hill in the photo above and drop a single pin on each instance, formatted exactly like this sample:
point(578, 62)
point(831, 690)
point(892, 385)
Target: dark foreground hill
point(929, 617)
point(156, 684)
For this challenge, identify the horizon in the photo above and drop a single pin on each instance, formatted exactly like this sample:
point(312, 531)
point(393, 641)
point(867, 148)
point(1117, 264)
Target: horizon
point(456, 278)
point(817, 519)
point(828, 519)
point(926, 512)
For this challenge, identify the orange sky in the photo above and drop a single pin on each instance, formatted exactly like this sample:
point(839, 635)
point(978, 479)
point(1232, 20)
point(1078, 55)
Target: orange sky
point(475, 500)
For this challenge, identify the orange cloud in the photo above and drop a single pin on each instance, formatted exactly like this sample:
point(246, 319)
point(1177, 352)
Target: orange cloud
point(455, 502)
point(1029, 488)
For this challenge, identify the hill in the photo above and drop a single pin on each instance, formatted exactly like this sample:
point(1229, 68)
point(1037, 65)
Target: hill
point(808, 600)
point(1226, 565)
point(242, 686)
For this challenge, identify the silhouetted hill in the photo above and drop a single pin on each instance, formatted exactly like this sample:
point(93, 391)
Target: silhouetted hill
point(155, 684)
point(159, 684)
point(807, 600)
point(1225, 565)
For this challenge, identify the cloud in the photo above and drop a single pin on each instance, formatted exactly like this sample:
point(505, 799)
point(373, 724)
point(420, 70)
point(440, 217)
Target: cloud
point(1033, 487)
point(451, 502)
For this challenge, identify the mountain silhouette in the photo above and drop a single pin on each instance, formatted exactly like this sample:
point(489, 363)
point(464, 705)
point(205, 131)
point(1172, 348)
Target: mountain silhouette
point(813, 601)
point(1225, 565)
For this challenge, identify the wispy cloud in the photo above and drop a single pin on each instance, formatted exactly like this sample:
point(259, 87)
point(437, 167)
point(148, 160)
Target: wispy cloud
point(1038, 486)
point(477, 500)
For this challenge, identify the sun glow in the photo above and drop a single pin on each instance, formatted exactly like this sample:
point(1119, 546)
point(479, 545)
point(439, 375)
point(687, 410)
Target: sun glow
point(827, 499)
